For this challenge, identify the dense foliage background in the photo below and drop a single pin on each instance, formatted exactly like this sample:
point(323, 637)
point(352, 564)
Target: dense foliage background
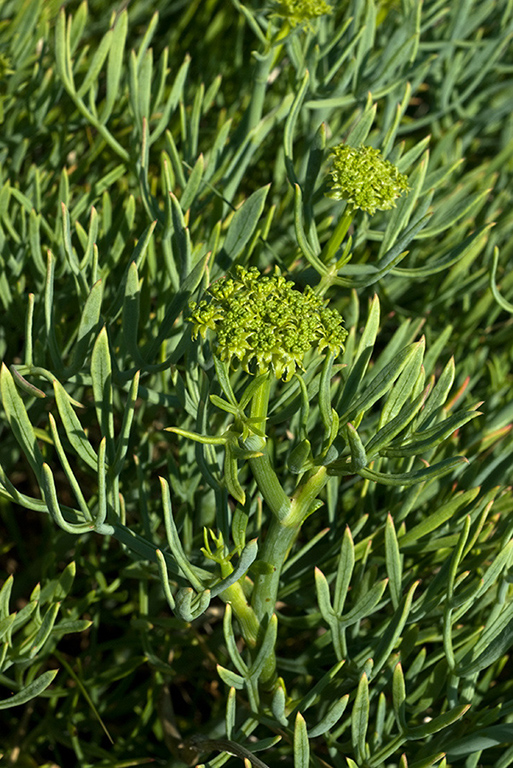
point(187, 138)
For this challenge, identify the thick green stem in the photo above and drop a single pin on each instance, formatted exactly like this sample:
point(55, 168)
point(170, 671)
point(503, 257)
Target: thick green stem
point(280, 538)
point(265, 476)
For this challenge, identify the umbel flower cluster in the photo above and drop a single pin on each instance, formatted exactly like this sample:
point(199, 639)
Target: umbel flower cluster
point(267, 322)
point(363, 178)
point(300, 11)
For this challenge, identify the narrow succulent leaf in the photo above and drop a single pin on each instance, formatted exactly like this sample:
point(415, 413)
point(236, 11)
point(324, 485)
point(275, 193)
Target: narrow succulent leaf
point(231, 643)
point(131, 303)
point(203, 439)
point(75, 485)
point(123, 437)
point(300, 458)
point(101, 515)
point(407, 479)
point(224, 406)
point(19, 421)
point(231, 712)
point(358, 455)
point(330, 719)
point(358, 134)
point(399, 697)
point(74, 430)
point(246, 560)
point(33, 644)
point(6, 628)
point(62, 52)
point(181, 237)
point(397, 252)
point(278, 703)
point(395, 426)
point(393, 631)
point(174, 98)
point(325, 391)
point(321, 685)
point(267, 648)
point(323, 596)
point(370, 331)
point(315, 157)
point(231, 478)
point(447, 215)
point(35, 688)
point(345, 568)
point(393, 562)
point(438, 395)
point(403, 387)
point(306, 248)
point(193, 184)
point(453, 256)
point(189, 605)
point(501, 301)
point(438, 517)
point(173, 538)
point(360, 719)
point(101, 377)
point(432, 437)
point(301, 743)
point(99, 56)
point(114, 64)
point(89, 321)
point(25, 385)
point(290, 125)
point(231, 679)
point(164, 579)
point(437, 723)
point(365, 606)
point(480, 739)
point(177, 304)
point(379, 385)
point(501, 562)
point(402, 212)
point(52, 503)
point(223, 378)
point(494, 642)
point(5, 594)
point(244, 223)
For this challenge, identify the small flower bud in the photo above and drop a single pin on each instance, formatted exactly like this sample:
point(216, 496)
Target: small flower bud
point(266, 321)
point(363, 178)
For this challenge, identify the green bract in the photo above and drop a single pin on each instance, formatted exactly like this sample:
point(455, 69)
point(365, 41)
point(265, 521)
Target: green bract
point(299, 11)
point(264, 319)
point(363, 178)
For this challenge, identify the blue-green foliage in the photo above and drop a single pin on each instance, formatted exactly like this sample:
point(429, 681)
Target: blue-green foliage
point(322, 573)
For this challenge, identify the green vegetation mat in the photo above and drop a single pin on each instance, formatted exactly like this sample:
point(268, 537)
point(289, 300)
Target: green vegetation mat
point(256, 324)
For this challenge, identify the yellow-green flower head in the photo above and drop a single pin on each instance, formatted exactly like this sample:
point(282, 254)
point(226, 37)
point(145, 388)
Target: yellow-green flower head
point(300, 11)
point(363, 178)
point(266, 321)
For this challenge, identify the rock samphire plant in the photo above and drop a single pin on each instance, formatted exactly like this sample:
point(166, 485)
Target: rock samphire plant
point(248, 323)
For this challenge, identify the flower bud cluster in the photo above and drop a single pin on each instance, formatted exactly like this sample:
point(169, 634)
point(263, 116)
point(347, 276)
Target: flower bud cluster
point(363, 178)
point(264, 320)
point(300, 11)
